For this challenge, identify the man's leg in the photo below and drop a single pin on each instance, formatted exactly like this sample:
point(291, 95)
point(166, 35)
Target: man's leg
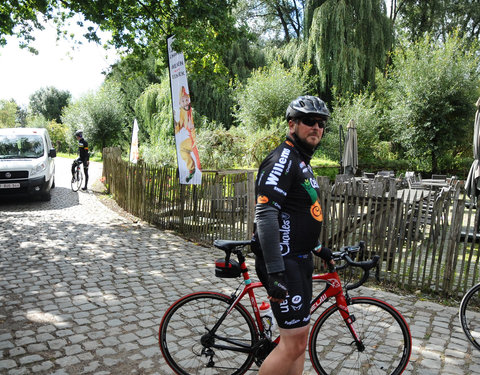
point(85, 172)
point(288, 357)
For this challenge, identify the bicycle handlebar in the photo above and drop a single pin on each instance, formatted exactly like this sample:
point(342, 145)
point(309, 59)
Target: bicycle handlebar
point(346, 253)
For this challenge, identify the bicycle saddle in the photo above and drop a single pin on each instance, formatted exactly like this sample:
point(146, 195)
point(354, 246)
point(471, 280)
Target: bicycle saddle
point(230, 244)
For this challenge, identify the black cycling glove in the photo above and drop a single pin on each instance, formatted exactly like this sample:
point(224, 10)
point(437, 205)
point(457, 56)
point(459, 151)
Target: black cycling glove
point(323, 252)
point(277, 287)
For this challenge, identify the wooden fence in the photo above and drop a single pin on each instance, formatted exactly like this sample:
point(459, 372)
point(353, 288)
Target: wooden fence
point(427, 239)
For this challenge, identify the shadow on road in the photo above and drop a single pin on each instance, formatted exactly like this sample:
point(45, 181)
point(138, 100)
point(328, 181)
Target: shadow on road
point(61, 198)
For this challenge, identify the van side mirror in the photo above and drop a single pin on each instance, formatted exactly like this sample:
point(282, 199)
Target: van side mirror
point(52, 153)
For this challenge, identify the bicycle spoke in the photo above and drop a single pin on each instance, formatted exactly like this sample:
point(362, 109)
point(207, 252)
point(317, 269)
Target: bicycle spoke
point(386, 340)
point(189, 349)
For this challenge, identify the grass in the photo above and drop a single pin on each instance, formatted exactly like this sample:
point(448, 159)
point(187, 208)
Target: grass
point(94, 157)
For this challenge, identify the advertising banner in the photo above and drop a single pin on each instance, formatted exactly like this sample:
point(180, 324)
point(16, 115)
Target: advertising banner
point(188, 159)
point(134, 145)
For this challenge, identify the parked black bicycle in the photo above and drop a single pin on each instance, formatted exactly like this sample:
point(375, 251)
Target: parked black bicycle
point(77, 177)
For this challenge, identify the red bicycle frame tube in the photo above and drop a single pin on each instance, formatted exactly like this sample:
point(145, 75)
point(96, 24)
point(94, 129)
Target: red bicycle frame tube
point(333, 289)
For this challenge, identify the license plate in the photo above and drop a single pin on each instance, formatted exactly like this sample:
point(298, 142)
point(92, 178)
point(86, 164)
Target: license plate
point(14, 185)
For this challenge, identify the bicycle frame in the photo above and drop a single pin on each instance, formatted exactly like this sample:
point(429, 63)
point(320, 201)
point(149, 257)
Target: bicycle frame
point(333, 288)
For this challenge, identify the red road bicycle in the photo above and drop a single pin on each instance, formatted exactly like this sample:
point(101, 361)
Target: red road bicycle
point(215, 334)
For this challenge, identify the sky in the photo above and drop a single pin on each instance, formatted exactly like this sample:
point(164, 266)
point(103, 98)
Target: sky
point(78, 71)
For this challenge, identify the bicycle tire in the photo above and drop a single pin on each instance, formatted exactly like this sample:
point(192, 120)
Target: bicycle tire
point(188, 319)
point(382, 329)
point(77, 180)
point(469, 315)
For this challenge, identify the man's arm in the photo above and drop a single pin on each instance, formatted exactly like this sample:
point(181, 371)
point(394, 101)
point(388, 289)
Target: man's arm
point(266, 218)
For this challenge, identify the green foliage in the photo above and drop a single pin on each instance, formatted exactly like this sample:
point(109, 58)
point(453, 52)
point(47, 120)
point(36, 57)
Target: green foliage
point(134, 75)
point(264, 140)
point(432, 92)
point(220, 148)
point(267, 93)
point(439, 18)
point(204, 29)
point(347, 41)
point(8, 112)
point(49, 102)
point(214, 98)
point(365, 112)
point(100, 116)
point(153, 111)
point(58, 134)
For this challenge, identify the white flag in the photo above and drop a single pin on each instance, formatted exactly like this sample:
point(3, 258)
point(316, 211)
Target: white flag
point(134, 146)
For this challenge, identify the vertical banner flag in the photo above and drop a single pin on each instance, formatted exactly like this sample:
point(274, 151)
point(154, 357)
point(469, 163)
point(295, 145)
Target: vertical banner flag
point(134, 146)
point(188, 159)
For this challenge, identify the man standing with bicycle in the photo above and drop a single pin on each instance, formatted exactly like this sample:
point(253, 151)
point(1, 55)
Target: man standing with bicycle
point(83, 156)
point(288, 220)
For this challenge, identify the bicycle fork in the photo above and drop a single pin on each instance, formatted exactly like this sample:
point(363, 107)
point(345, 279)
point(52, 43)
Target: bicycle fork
point(334, 289)
point(349, 319)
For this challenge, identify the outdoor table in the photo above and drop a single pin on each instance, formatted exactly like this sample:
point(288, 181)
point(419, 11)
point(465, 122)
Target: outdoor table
point(433, 183)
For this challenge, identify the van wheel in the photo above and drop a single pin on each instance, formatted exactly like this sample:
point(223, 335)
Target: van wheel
point(53, 183)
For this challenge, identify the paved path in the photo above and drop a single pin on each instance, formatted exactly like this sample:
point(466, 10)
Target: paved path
point(83, 289)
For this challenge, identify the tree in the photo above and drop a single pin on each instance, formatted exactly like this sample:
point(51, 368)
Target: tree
point(438, 17)
point(8, 111)
point(347, 41)
point(203, 28)
point(101, 117)
point(49, 102)
point(272, 19)
point(432, 90)
point(267, 93)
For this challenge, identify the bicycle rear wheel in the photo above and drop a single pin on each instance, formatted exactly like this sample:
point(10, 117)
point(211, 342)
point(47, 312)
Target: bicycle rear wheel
point(77, 179)
point(469, 315)
point(188, 346)
point(382, 329)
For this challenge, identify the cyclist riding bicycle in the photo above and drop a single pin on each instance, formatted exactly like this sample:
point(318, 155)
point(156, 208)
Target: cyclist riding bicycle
point(288, 219)
point(83, 156)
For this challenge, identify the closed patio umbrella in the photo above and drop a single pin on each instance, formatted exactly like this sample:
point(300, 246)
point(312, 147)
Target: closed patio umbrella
point(472, 185)
point(350, 152)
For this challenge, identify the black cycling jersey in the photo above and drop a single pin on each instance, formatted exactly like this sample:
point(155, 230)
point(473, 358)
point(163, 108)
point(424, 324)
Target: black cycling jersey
point(83, 150)
point(286, 182)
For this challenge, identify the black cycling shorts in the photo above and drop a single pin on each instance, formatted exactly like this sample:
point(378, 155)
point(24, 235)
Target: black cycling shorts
point(294, 311)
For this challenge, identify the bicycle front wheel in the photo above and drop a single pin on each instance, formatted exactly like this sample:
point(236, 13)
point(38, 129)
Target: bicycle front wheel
point(191, 343)
point(77, 180)
point(382, 329)
point(469, 315)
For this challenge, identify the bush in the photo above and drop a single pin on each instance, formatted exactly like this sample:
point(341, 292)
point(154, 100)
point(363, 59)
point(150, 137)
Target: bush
point(267, 93)
point(365, 112)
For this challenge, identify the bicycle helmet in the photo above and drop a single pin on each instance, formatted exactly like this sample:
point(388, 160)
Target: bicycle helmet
point(307, 105)
point(79, 133)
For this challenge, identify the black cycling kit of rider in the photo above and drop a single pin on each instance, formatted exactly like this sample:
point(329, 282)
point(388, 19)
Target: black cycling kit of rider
point(287, 193)
point(84, 157)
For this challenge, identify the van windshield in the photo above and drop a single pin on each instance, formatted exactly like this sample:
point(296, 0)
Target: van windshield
point(21, 146)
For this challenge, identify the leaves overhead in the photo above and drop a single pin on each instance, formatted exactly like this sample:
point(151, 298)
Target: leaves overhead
point(203, 28)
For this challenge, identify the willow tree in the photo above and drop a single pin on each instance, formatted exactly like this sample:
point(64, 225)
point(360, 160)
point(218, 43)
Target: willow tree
point(347, 41)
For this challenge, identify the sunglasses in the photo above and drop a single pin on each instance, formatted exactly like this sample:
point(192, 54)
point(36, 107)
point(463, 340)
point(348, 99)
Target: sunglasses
point(310, 121)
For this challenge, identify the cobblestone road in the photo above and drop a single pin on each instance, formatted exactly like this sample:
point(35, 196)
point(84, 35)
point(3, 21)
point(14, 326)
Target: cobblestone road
point(83, 289)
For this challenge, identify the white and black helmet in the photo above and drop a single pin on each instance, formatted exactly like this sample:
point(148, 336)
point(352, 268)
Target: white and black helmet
point(307, 105)
point(79, 133)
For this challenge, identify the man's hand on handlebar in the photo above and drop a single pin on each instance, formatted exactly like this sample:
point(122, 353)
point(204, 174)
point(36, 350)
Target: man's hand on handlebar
point(325, 254)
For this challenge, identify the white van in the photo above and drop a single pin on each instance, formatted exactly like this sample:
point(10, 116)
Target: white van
point(26, 162)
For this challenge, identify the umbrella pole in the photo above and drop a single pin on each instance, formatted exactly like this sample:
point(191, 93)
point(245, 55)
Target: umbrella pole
point(341, 135)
